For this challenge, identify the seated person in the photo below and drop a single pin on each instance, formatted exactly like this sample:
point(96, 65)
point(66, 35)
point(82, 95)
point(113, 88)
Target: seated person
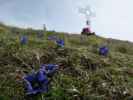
point(87, 31)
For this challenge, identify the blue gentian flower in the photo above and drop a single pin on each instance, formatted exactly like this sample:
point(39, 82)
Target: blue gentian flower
point(29, 79)
point(53, 38)
point(103, 50)
point(60, 42)
point(42, 77)
point(48, 66)
point(24, 39)
point(29, 87)
point(51, 69)
point(39, 78)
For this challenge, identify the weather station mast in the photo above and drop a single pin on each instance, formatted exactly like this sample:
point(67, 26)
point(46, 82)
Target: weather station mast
point(89, 14)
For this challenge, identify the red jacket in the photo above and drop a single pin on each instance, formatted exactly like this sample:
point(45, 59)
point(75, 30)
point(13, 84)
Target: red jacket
point(86, 30)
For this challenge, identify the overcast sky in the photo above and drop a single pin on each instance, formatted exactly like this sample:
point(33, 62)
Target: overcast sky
point(114, 18)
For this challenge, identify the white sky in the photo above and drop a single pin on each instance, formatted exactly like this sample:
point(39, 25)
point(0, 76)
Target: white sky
point(114, 18)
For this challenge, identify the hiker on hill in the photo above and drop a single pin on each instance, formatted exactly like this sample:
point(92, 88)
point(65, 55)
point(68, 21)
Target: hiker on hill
point(87, 30)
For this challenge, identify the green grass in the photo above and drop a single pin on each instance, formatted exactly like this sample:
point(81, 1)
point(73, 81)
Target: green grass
point(77, 58)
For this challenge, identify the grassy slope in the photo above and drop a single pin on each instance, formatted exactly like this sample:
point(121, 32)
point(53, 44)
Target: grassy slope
point(111, 79)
